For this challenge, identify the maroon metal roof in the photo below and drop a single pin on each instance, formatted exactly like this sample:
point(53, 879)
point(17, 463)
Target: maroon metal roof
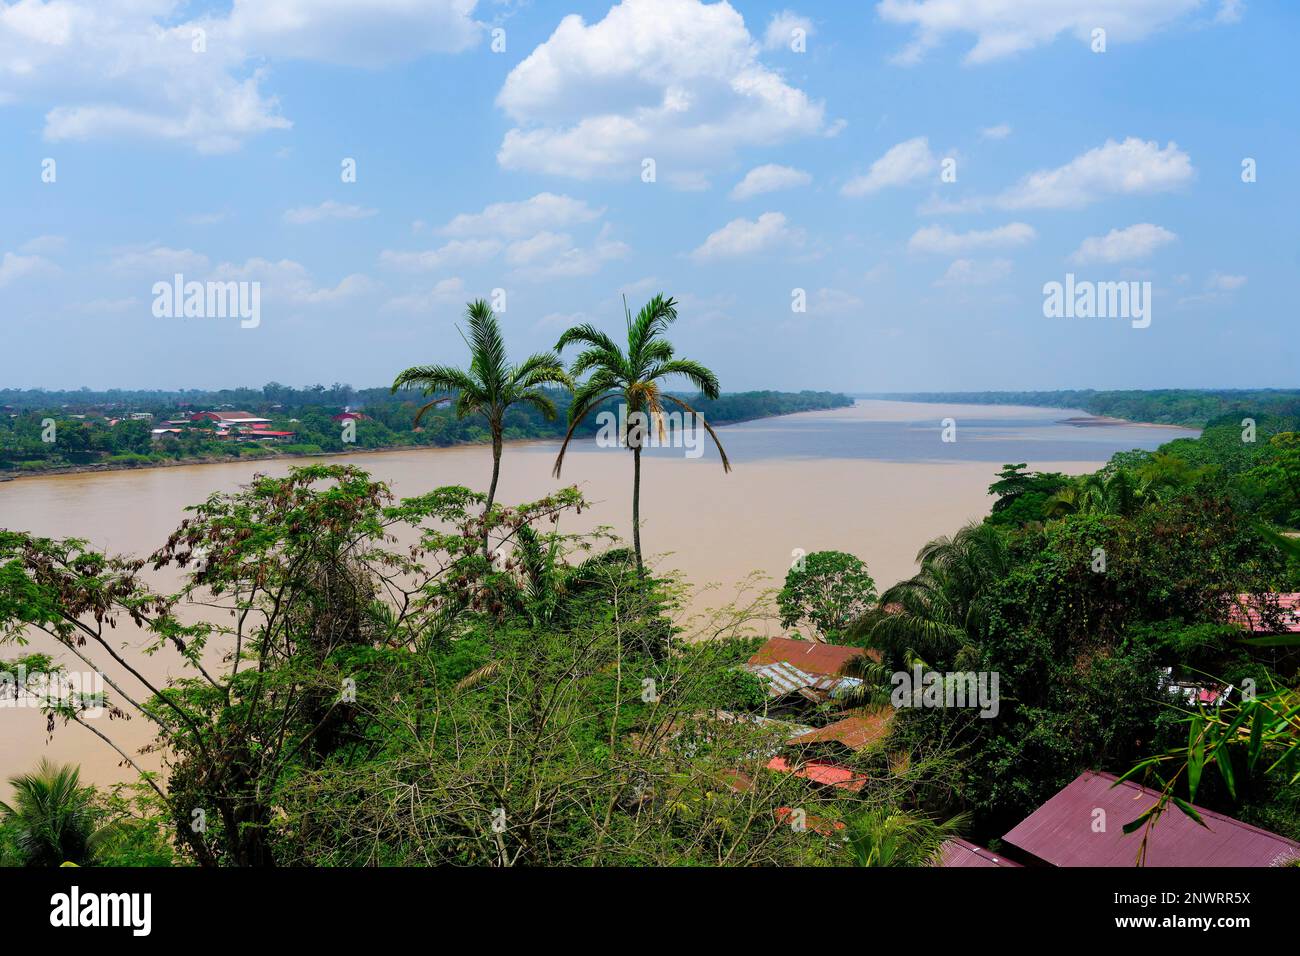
point(960, 853)
point(811, 657)
point(1061, 831)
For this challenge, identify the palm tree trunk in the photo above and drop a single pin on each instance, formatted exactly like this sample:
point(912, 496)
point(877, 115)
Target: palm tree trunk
point(636, 507)
point(492, 489)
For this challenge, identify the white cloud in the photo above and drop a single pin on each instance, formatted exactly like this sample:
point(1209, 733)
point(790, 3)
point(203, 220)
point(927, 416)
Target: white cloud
point(941, 239)
point(1129, 168)
point(781, 30)
point(555, 256)
point(14, 267)
point(743, 237)
point(291, 282)
point(1133, 167)
point(969, 272)
point(156, 260)
point(457, 252)
point(329, 209)
point(1000, 131)
point(1230, 11)
point(1003, 28)
point(446, 292)
point(1224, 283)
point(769, 178)
point(905, 163)
point(827, 300)
point(130, 68)
point(371, 34)
point(1123, 245)
point(44, 245)
point(677, 81)
point(523, 218)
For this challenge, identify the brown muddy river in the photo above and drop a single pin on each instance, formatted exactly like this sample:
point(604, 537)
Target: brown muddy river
point(877, 480)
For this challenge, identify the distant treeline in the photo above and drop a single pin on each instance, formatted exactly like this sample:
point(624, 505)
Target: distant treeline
point(1194, 408)
point(88, 439)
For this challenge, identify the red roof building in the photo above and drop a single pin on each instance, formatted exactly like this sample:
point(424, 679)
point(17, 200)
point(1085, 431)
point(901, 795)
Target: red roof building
point(1267, 613)
point(1083, 825)
point(822, 772)
point(959, 853)
point(811, 657)
point(348, 417)
point(856, 732)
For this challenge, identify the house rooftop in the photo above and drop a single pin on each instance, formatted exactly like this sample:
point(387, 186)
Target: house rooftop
point(821, 771)
point(1063, 831)
point(855, 732)
point(811, 657)
point(1267, 613)
point(959, 853)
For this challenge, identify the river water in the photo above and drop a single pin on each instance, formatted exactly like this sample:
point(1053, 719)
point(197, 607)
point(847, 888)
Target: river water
point(877, 480)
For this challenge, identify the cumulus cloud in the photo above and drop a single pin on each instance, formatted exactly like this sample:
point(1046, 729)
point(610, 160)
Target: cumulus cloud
point(528, 216)
point(329, 209)
point(1123, 245)
point(531, 235)
point(14, 267)
point(1002, 29)
point(444, 293)
point(153, 259)
point(767, 179)
point(744, 237)
point(143, 69)
point(941, 239)
point(781, 29)
point(457, 252)
point(291, 282)
point(905, 163)
point(965, 272)
point(1000, 131)
point(1218, 282)
point(677, 81)
point(1133, 167)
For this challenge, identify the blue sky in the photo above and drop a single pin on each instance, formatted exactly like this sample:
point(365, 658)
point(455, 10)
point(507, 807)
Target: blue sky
point(776, 169)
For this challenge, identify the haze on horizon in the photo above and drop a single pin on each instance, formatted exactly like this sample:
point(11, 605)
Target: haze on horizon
point(915, 179)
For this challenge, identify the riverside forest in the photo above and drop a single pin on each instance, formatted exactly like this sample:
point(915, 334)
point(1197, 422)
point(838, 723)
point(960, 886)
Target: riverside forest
point(359, 679)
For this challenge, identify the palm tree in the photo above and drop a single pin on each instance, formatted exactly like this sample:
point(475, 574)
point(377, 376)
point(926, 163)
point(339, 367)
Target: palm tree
point(54, 817)
point(885, 837)
point(490, 386)
point(634, 376)
point(930, 617)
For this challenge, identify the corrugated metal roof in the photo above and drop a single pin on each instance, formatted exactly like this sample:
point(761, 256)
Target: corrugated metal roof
point(959, 853)
point(785, 679)
point(1061, 831)
point(820, 771)
point(1267, 613)
point(855, 732)
point(811, 657)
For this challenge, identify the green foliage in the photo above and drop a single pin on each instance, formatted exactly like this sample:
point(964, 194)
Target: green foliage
point(51, 818)
point(829, 590)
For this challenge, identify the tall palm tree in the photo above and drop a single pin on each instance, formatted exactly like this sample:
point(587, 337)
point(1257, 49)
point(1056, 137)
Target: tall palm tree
point(634, 375)
point(54, 817)
point(490, 386)
point(930, 617)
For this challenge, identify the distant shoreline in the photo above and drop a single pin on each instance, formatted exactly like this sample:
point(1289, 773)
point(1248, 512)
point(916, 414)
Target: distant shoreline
point(97, 467)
